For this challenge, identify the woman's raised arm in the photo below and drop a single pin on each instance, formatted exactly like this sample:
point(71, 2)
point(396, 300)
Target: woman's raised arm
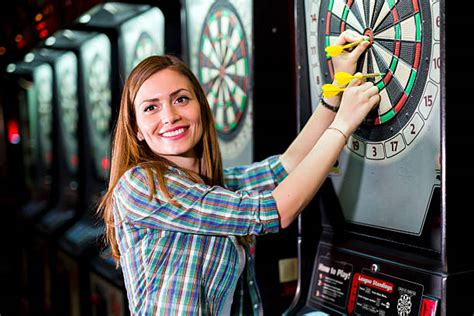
point(307, 176)
point(323, 117)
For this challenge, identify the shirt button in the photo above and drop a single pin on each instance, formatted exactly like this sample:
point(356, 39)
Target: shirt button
point(250, 282)
point(255, 306)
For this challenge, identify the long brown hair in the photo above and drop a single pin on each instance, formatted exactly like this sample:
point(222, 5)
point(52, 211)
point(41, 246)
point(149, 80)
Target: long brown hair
point(128, 151)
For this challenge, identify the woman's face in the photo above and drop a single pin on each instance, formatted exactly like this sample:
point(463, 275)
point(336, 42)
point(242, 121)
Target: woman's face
point(169, 115)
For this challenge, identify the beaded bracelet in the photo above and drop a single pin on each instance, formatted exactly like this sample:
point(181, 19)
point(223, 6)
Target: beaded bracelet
point(342, 133)
point(329, 106)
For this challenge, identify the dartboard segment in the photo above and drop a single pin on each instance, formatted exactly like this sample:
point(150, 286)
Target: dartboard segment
point(69, 117)
point(44, 80)
point(99, 97)
point(224, 67)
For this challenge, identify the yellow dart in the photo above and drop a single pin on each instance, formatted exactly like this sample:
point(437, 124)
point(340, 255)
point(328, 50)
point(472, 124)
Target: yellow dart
point(330, 90)
point(343, 78)
point(335, 50)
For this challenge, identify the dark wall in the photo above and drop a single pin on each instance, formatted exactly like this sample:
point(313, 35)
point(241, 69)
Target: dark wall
point(274, 129)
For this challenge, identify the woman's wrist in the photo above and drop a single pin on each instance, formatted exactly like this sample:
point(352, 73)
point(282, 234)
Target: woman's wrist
point(339, 131)
point(333, 108)
point(330, 103)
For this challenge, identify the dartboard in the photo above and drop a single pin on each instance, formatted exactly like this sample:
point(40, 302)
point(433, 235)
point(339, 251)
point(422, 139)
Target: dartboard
point(68, 109)
point(144, 47)
point(224, 69)
point(44, 83)
point(401, 137)
point(141, 35)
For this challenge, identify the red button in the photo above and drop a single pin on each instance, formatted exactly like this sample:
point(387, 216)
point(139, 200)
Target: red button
point(428, 307)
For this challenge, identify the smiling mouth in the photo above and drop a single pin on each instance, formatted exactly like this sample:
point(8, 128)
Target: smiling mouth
point(174, 133)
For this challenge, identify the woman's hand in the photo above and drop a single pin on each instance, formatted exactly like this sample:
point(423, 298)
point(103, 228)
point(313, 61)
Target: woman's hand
point(359, 98)
point(347, 61)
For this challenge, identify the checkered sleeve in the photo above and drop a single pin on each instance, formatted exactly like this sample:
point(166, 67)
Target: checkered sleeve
point(261, 176)
point(202, 209)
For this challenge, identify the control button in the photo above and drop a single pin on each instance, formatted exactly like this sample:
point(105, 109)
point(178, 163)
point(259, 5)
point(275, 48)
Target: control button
point(428, 307)
point(375, 268)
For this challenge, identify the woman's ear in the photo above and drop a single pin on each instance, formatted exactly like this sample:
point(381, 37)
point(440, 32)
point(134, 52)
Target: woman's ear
point(140, 136)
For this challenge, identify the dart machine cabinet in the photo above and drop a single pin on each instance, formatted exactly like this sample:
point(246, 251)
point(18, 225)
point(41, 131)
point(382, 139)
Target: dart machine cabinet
point(67, 149)
point(135, 32)
point(89, 82)
point(241, 52)
point(31, 93)
point(393, 211)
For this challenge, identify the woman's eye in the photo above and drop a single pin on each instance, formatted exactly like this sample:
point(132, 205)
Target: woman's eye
point(149, 108)
point(182, 99)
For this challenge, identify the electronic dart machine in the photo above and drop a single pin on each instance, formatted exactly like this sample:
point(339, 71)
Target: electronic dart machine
point(33, 93)
point(388, 212)
point(30, 88)
point(57, 218)
point(92, 57)
point(237, 49)
point(135, 32)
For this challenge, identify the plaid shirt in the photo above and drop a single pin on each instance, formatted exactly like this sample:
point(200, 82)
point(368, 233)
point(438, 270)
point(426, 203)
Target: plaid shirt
point(181, 260)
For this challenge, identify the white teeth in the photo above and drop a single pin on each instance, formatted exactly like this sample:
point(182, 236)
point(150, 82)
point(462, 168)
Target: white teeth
point(173, 133)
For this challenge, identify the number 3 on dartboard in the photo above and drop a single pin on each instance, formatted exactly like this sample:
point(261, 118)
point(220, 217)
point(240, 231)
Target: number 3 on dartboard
point(374, 151)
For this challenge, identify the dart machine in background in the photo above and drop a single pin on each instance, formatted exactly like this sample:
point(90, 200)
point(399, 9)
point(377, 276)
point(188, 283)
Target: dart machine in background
point(135, 32)
point(31, 93)
point(241, 53)
point(59, 214)
point(393, 237)
point(87, 77)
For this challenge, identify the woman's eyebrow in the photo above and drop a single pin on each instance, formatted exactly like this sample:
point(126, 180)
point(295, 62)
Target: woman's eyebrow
point(150, 100)
point(173, 94)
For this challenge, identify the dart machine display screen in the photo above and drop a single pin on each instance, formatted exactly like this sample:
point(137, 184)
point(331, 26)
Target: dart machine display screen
point(388, 176)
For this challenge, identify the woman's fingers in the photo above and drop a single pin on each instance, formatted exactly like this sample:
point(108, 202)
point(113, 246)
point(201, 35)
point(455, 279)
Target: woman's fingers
point(374, 101)
point(359, 49)
point(372, 90)
point(347, 60)
point(363, 92)
point(356, 82)
point(347, 37)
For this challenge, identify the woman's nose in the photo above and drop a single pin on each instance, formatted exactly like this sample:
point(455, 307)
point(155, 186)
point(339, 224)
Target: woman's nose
point(170, 114)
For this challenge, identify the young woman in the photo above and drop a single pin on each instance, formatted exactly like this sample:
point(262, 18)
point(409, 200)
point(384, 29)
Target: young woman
point(179, 225)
